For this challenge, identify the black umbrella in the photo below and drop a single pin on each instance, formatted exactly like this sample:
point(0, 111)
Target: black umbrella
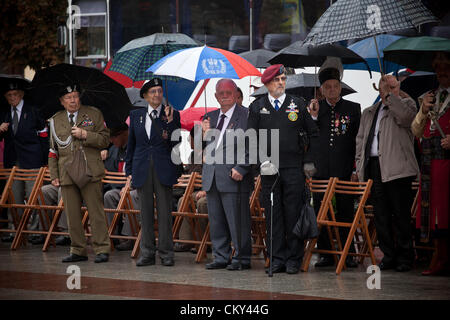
point(258, 57)
point(97, 90)
point(418, 83)
point(303, 85)
point(299, 55)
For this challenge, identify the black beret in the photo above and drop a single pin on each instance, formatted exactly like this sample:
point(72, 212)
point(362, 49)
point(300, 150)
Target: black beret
point(74, 87)
point(115, 131)
point(155, 82)
point(14, 84)
point(329, 73)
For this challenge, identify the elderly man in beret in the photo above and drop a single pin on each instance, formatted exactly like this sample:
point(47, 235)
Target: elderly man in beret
point(152, 171)
point(80, 126)
point(338, 122)
point(287, 114)
point(25, 135)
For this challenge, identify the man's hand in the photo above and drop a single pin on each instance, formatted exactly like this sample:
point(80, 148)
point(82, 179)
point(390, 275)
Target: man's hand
point(313, 108)
point(389, 85)
point(55, 182)
point(428, 102)
point(78, 133)
point(445, 142)
point(235, 175)
point(4, 127)
point(205, 125)
point(104, 154)
point(122, 191)
point(200, 194)
point(309, 169)
point(169, 113)
point(354, 177)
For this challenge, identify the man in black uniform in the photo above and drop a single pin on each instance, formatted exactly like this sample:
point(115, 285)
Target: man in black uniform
point(288, 114)
point(338, 122)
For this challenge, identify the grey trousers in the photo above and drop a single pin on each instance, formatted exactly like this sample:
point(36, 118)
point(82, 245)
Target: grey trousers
point(111, 199)
point(21, 191)
point(52, 195)
point(224, 217)
point(163, 195)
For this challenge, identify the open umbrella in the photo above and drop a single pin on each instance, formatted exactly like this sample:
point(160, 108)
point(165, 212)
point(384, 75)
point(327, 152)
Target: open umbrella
point(354, 19)
point(121, 78)
point(419, 82)
point(98, 90)
point(303, 85)
point(134, 58)
point(366, 48)
point(258, 57)
point(416, 53)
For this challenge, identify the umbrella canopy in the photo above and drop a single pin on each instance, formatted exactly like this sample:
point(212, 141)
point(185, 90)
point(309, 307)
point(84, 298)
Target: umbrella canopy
point(189, 117)
point(299, 55)
point(416, 53)
point(367, 49)
point(419, 82)
point(121, 78)
point(204, 63)
point(258, 57)
point(133, 59)
point(354, 19)
point(98, 90)
point(303, 85)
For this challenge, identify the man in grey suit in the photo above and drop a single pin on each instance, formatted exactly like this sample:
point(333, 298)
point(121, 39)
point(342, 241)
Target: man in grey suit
point(227, 181)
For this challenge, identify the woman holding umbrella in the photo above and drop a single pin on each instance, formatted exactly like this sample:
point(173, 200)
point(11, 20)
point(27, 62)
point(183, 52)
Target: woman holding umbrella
point(432, 125)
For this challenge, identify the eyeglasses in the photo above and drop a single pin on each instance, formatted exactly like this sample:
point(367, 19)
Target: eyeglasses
point(277, 79)
point(155, 91)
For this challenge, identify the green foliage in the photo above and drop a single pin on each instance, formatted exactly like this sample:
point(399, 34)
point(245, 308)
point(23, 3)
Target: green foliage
point(28, 33)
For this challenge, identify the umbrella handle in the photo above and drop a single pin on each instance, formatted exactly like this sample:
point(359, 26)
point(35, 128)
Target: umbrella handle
point(375, 87)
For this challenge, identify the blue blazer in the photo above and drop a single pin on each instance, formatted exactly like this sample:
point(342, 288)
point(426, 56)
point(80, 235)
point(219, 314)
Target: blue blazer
point(27, 147)
point(140, 148)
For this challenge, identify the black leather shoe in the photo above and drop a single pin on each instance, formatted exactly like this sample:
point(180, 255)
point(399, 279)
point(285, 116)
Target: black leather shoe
point(7, 239)
point(277, 268)
point(168, 262)
point(386, 266)
point(324, 262)
point(145, 261)
point(238, 266)
point(216, 265)
point(125, 246)
point(403, 268)
point(62, 241)
point(101, 257)
point(74, 258)
point(292, 269)
point(350, 263)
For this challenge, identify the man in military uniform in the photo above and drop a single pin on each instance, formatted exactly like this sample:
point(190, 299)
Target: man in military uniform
point(76, 126)
point(287, 114)
point(338, 122)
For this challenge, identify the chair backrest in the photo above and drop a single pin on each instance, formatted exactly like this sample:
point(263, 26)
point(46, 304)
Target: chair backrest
point(18, 174)
point(113, 177)
point(322, 186)
point(361, 189)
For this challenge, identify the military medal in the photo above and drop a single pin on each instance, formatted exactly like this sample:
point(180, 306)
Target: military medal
point(292, 116)
point(141, 119)
point(292, 108)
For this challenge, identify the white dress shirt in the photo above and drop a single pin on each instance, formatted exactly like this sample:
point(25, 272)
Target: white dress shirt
point(226, 121)
point(75, 116)
point(374, 146)
point(18, 109)
point(148, 121)
point(280, 99)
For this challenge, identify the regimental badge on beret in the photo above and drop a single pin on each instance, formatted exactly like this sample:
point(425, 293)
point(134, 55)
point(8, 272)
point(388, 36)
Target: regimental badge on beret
point(271, 72)
point(69, 89)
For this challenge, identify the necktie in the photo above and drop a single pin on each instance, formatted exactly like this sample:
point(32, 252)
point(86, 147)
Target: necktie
point(220, 124)
point(72, 123)
point(15, 120)
point(443, 96)
point(276, 104)
point(154, 114)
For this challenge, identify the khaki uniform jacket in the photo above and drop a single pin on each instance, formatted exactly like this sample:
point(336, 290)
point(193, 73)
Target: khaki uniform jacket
point(396, 147)
point(91, 120)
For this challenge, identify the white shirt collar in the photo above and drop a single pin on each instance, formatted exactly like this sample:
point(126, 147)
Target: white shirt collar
point(158, 110)
point(75, 115)
point(229, 113)
point(281, 99)
point(19, 107)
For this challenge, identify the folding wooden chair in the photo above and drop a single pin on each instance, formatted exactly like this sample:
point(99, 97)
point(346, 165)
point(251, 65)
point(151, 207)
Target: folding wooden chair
point(7, 200)
point(125, 206)
point(321, 187)
point(4, 175)
point(327, 218)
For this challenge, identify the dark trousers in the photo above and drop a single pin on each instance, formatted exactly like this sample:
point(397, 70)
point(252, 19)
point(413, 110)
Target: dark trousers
point(287, 203)
point(344, 213)
point(392, 204)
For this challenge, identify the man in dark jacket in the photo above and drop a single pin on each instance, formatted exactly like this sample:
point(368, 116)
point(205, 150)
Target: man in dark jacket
point(338, 122)
point(287, 115)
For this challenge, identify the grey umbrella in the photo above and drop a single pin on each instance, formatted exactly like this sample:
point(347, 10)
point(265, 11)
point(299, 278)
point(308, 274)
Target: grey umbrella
point(303, 84)
point(258, 57)
point(351, 19)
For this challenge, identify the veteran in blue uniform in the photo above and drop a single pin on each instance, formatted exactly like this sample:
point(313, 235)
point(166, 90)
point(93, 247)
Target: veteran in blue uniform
point(149, 163)
point(288, 115)
point(338, 122)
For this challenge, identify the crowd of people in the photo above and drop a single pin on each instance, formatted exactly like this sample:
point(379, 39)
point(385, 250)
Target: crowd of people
point(317, 139)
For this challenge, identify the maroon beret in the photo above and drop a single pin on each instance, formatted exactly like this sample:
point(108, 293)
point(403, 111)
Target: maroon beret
point(271, 72)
